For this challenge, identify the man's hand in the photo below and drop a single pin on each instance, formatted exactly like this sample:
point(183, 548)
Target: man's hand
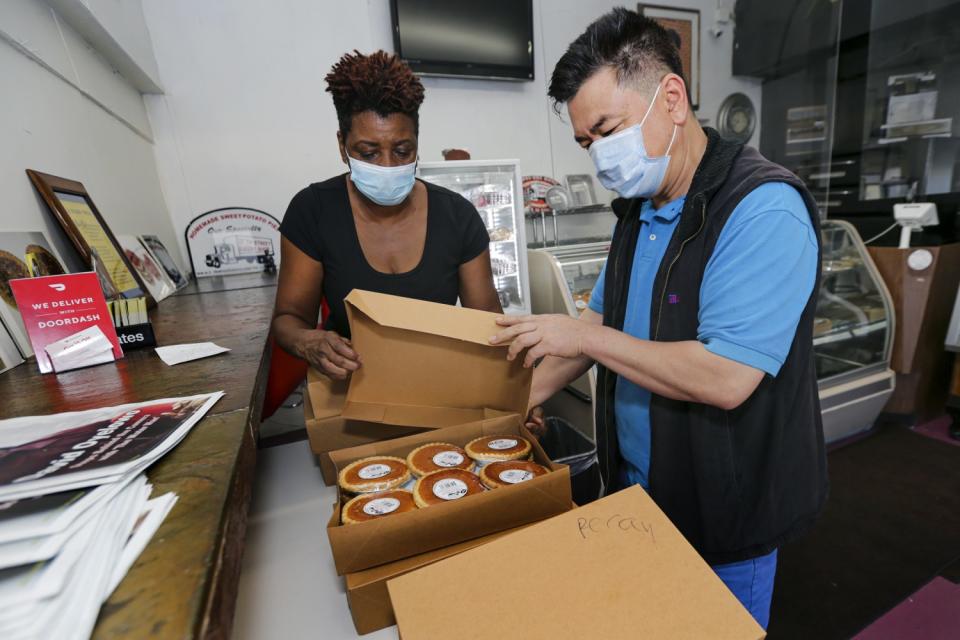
point(541, 335)
point(332, 354)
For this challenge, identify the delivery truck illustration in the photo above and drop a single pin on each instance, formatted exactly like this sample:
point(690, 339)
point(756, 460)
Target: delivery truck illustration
point(233, 249)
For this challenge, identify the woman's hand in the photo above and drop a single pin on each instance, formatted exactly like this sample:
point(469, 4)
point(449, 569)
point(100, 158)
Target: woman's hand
point(535, 423)
point(332, 354)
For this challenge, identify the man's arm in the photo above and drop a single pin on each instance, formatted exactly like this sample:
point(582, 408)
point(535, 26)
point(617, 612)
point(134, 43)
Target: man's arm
point(554, 373)
point(678, 370)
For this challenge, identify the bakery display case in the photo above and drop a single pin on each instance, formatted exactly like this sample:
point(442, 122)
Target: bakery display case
point(853, 335)
point(562, 279)
point(495, 189)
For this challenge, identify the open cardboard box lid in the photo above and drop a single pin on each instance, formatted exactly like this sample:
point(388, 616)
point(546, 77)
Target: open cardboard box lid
point(616, 568)
point(425, 363)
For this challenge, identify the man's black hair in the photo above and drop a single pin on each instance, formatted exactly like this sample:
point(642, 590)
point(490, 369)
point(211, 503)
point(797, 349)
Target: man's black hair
point(637, 48)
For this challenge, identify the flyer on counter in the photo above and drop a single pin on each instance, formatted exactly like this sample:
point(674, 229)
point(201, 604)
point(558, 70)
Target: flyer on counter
point(44, 454)
point(58, 307)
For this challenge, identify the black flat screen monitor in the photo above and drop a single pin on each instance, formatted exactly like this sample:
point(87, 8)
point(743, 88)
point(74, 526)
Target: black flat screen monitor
point(465, 38)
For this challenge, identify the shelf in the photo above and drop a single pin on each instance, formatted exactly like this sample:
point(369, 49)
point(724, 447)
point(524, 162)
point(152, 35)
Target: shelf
point(841, 335)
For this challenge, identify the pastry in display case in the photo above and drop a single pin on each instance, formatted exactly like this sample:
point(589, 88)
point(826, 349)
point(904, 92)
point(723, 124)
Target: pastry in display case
point(494, 188)
point(853, 335)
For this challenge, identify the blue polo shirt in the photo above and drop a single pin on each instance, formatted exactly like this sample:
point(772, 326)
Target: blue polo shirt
point(754, 289)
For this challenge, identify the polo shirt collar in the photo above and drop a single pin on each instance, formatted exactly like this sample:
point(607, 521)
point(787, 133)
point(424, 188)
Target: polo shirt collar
point(666, 213)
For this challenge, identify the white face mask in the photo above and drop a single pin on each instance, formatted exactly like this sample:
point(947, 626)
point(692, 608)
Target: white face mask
point(622, 162)
point(386, 186)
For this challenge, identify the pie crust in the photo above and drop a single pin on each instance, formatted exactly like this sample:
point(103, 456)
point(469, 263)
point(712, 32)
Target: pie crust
point(510, 472)
point(373, 506)
point(377, 473)
point(497, 448)
point(437, 456)
point(443, 486)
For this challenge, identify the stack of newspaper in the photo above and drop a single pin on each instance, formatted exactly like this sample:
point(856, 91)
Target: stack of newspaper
point(76, 511)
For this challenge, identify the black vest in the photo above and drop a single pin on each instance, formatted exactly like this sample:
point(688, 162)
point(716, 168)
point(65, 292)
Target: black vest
point(739, 483)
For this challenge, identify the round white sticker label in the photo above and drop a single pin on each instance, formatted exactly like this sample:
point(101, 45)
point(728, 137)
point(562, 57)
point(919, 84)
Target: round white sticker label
point(513, 476)
point(503, 443)
point(381, 506)
point(447, 459)
point(374, 471)
point(450, 489)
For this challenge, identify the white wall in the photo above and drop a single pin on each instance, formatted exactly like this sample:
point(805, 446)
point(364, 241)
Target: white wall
point(244, 119)
point(65, 111)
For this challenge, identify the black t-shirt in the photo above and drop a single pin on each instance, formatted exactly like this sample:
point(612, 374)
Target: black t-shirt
point(319, 221)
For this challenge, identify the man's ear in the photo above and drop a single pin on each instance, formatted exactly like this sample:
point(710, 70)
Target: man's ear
point(341, 143)
point(675, 93)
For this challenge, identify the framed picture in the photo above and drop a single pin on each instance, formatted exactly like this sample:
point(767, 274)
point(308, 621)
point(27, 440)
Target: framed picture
point(151, 272)
point(686, 24)
point(23, 254)
point(10, 355)
point(233, 240)
point(159, 252)
point(73, 208)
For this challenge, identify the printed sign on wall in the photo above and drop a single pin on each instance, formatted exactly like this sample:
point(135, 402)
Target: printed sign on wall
point(233, 240)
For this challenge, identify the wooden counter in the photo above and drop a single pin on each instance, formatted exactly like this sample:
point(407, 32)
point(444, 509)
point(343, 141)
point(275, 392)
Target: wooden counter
point(184, 584)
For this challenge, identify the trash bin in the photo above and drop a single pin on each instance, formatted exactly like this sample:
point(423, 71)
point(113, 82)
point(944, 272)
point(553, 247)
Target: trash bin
point(563, 443)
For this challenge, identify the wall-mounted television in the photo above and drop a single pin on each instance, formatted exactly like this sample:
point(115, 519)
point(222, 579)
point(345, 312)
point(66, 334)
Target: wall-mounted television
point(465, 38)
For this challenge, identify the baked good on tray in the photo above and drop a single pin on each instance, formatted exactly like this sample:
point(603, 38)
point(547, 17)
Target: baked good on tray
point(377, 473)
point(496, 448)
point(445, 486)
point(509, 472)
point(371, 506)
point(436, 456)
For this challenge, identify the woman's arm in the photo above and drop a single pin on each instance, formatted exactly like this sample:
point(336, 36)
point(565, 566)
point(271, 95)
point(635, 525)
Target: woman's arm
point(297, 310)
point(476, 285)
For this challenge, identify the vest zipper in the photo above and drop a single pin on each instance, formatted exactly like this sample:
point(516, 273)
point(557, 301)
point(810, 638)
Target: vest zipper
point(666, 280)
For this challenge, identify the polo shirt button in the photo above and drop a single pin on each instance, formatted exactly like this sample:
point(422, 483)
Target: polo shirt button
point(653, 236)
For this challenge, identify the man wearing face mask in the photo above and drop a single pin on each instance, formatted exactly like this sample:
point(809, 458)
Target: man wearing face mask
point(702, 323)
point(377, 227)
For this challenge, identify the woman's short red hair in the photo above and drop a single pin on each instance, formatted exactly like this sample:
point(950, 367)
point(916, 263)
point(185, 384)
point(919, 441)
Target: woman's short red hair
point(379, 82)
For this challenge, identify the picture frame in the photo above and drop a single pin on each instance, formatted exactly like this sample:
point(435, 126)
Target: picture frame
point(156, 248)
point(152, 273)
point(80, 219)
point(686, 24)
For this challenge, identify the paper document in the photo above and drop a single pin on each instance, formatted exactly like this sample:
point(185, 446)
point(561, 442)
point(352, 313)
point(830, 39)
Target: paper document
point(177, 353)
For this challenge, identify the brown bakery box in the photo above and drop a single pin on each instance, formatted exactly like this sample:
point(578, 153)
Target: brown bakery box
point(368, 544)
point(328, 431)
point(616, 568)
point(425, 364)
point(367, 593)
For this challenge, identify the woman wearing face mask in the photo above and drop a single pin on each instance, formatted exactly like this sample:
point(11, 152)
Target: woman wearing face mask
point(376, 227)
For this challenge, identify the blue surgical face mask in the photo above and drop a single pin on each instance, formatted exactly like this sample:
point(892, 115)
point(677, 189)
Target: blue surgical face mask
point(386, 186)
point(623, 164)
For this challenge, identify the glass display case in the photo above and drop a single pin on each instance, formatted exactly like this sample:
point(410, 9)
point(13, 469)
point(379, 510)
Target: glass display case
point(860, 98)
point(561, 280)
point(580, 225)
point(853, 335)
point(494, 188)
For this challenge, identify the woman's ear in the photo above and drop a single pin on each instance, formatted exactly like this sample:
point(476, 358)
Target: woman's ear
point(342, 144)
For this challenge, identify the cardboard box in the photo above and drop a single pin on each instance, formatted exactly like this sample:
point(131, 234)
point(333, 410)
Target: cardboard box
point(328, 431)
point(616, 568)
point(360, 546)
point(429, 365)
point(367, 590)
